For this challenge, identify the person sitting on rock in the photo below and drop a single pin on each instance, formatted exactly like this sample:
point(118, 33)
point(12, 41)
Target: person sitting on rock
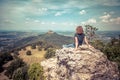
point(79, 37)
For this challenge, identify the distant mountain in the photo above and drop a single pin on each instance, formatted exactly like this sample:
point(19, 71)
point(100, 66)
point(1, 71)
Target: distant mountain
point(56, 39)
point(49, 37)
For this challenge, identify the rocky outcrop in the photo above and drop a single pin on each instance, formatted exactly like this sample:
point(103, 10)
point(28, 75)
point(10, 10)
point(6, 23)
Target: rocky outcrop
point(84, 64)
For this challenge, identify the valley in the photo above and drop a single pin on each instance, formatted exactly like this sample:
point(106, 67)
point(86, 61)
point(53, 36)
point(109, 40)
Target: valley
point(35, 57)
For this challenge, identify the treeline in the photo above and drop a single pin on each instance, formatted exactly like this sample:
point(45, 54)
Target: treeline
point(18, 70)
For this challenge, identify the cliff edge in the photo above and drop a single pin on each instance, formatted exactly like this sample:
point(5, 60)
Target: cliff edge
point(84, 64)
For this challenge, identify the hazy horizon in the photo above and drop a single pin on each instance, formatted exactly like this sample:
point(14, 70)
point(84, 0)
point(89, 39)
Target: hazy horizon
point(57, 31)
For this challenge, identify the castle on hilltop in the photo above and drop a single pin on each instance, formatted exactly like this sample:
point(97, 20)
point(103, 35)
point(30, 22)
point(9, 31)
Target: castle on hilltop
point(50, 32)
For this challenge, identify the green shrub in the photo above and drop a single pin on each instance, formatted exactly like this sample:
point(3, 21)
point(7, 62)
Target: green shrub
point(49, 53)
point(28, 52)
point(35, 72)
point(113, 54)
point(20, 74)
point(1, 68)
point(46, 47)
point(33, 46)
point(1, 59)
point(16, 52)
point(1, 63)
point(24, 48)
point(5, 57)
point(111, 49)
point(98, 44)
point(39, 48)
point(17, 63)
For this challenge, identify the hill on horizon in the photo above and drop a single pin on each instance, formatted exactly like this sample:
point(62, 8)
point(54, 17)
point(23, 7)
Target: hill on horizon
point(49, 37)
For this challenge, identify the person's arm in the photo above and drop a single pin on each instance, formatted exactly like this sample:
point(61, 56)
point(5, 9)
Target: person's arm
point(86, 41)
point(76, 43)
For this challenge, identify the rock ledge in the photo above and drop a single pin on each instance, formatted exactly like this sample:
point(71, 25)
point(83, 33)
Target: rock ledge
point(84, 64)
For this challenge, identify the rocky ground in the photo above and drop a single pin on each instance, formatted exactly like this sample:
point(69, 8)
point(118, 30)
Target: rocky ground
point(83, 64)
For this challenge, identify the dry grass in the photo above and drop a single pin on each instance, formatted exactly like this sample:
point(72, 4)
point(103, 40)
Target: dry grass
point(36, 57)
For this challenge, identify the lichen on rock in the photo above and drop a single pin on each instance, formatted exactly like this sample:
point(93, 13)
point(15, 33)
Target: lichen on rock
point(84, 64)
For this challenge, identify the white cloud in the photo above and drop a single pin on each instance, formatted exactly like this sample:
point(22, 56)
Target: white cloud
point(36, 21)
point(89, 21)
point(42, 22)
point(82, 12)
point(105, 18)
point(27, 19)
point(53, 23)
point(9, 21)
point(42, 9)
point(83, 22)
point(60, 13)
point(18, 10)
point(64, 4)
point(110, 13)
point(35, 10)
point(115, 20)
point(72, 24)
point(65, 23)
point(26, 22)
point(105, 13)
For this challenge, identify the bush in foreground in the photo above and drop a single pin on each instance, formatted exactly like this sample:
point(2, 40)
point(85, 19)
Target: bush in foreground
point(17, 63)
point(20, 73)
point(49, 53)
point(35, 72)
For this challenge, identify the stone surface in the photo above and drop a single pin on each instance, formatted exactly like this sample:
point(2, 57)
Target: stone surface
point(83, 64)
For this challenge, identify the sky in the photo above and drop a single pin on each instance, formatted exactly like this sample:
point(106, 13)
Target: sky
point(59, 15)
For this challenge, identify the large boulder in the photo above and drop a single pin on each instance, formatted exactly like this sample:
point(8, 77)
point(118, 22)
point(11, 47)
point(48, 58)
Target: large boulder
point(84, 64)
